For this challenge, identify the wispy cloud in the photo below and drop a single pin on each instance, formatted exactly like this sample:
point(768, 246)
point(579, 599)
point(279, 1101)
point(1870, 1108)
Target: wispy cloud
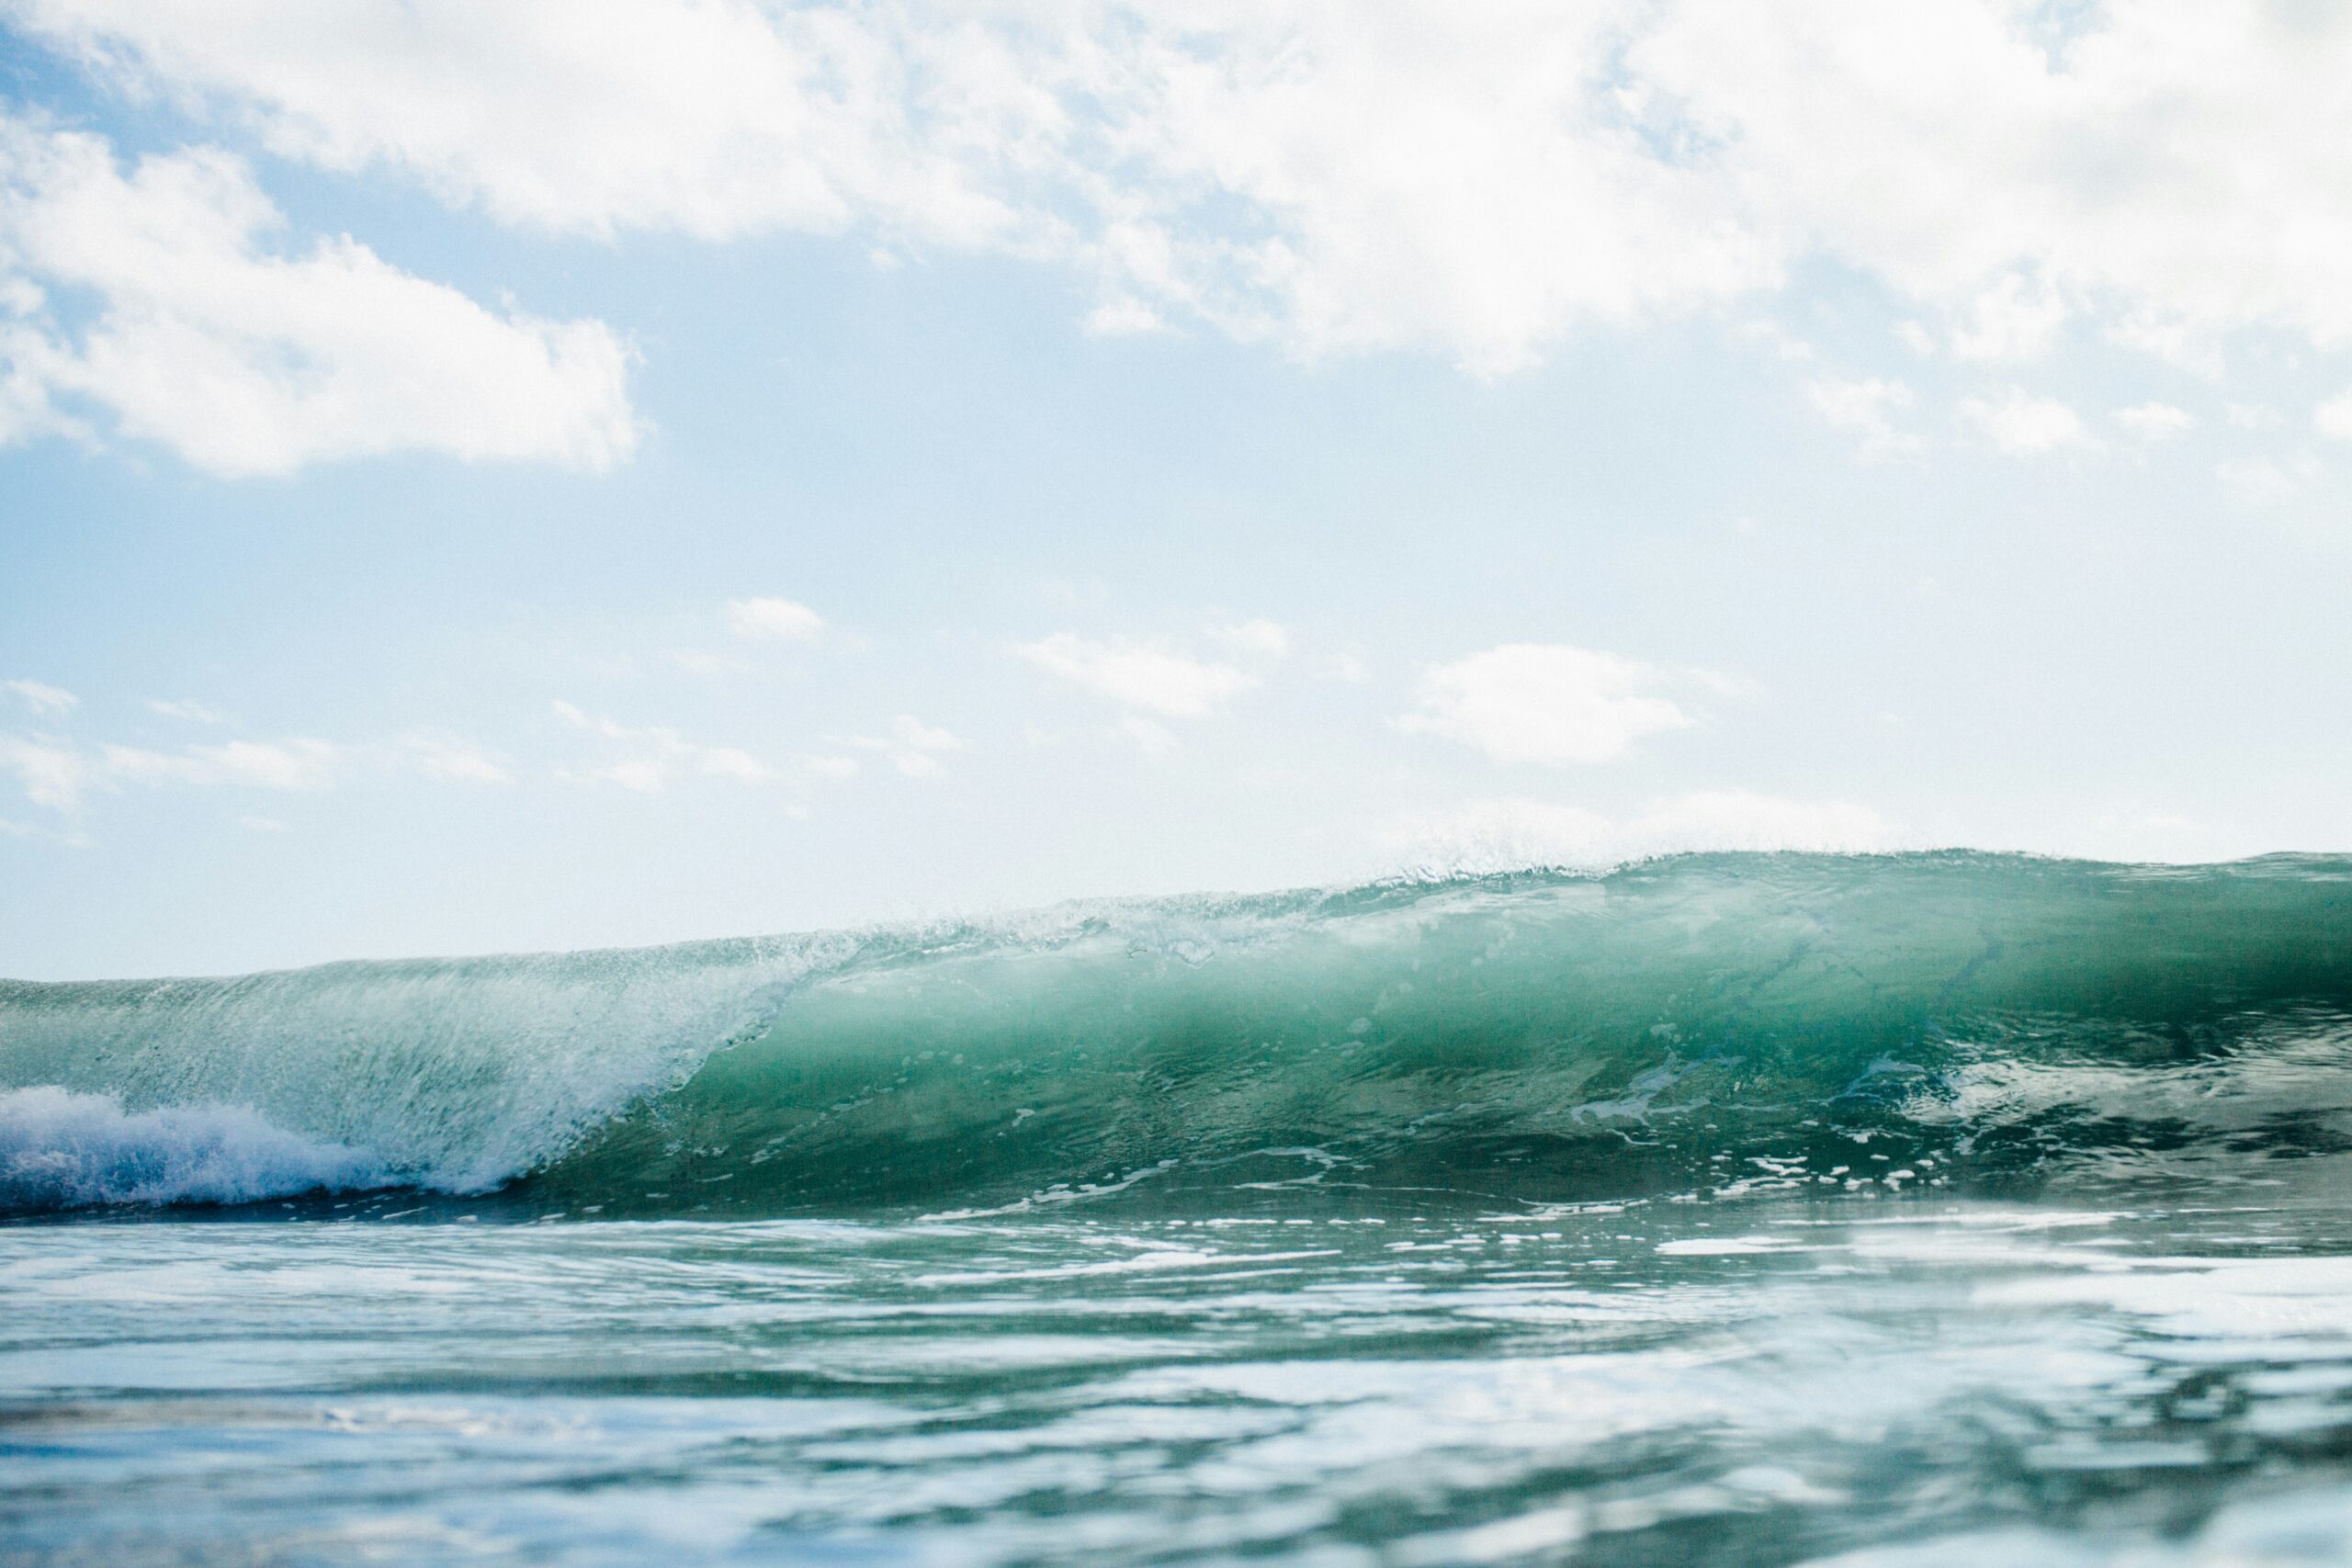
point(446, 756)
point(912, 747)
point(1153, 677)
point(51, 772)
point(2269, 482)
point(649, 761)
point(187, 710)
point(40, 696)
point(59, 772)
point(300, 764)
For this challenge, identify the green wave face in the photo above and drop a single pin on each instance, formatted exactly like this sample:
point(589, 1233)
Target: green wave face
point(1706, 1023)
point(1715, 1020)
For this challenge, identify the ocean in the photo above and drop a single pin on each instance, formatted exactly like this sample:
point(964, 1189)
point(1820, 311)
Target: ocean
point(1920, 1208)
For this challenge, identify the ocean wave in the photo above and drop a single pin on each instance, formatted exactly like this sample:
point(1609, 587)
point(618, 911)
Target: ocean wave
point(64, 1150)
point(1715, 1023)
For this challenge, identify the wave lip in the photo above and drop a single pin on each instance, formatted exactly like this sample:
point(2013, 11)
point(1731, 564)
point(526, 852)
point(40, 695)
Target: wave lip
point(59, 1149)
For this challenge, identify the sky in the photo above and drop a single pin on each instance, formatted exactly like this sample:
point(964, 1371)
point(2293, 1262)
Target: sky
point(575, 473)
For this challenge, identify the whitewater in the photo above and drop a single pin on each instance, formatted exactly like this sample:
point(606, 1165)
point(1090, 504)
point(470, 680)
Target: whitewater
point(1766, 1209)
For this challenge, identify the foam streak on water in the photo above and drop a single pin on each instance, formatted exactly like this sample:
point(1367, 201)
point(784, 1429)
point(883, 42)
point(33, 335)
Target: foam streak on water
point(1899, 1380)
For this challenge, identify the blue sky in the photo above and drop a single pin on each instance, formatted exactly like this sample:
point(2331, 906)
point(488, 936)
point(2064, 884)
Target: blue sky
point(551, 476)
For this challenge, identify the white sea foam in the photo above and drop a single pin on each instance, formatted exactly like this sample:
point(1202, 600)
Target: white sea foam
point(59, 1149)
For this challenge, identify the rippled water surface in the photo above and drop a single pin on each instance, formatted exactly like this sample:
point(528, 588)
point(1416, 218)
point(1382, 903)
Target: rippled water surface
point(1908, 1378)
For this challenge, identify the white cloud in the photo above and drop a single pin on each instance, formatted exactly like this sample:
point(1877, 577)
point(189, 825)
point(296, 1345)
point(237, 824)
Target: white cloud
point(2027, 425)
point(2268, 481)
point(191, 711)
point(57, 773)
point(712, 119)
point(2175, 162)
point(2153, 422)
point(1502, 835)
point(912, 747)
point(455, 757)
point(2332, 418)
point(300, 764)
point(1479, 180)
point(1865, 407)
point(649, 761)
point(832, 767)
point(51, 772)
point(708, 665)
point(1915, 338)
point(1150, 676)
point(1260, 637)
point(40, 696)
point(1542, 703)
point(244, 357)
point(2015, 319)
point(774, 620)
point(1467, 178)
point(1153, 740)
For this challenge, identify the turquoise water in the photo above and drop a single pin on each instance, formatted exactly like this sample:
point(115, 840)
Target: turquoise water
point(1731, 1209)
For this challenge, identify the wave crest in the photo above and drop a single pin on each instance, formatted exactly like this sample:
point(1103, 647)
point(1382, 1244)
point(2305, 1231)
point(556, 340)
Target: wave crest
point(64, 1150)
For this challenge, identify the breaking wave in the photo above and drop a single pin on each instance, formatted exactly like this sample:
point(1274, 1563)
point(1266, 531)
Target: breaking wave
point(1705, 1023)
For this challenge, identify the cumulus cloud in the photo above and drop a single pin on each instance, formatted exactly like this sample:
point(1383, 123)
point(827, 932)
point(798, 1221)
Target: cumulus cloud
point(2332, 418)
point(2163, 161)
point(2014, 319)
point(1152, 677)
point(1865, 407)
point(39, 696)
point(1478, 180)
point(649, 761)
point(1502, 835)
point(2153, 422)
point(2019, 422)
point(774, 620)
point(1542, 703)
point(160, 296)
